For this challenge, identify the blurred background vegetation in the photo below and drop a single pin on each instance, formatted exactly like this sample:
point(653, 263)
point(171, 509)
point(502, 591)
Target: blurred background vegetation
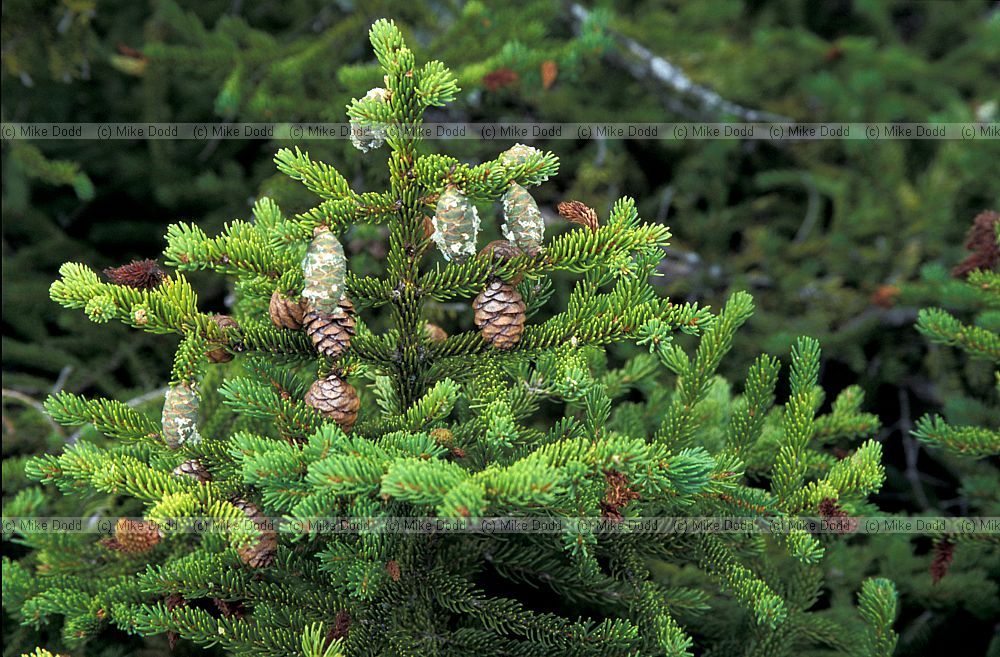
point(840, 240)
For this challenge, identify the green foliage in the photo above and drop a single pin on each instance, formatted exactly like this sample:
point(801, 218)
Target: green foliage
point(979, 340)
point(877, 604)
point(455, 429)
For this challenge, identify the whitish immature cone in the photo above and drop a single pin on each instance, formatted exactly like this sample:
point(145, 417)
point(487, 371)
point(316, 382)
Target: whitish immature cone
point(221, 354)
point(261, 553)
point(193, 469)
point(579, 213)
point(364, 137)
point(286, 313)
point(456, 224)
point(135, 536)
point(499, 314)
point(336, 399)
point(331, 333)
point(324, 269)
point(522, 221)
point(518, 154)
point(180, 415)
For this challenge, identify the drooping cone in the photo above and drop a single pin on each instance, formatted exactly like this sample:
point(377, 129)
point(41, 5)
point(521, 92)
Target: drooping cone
point(221, 354)
point(522, 221)
point(135, 536)
point(499, 314)
point(331, 333)
point(286, 313)
point(518, 154)
point(456, 224)
point(193, 469)
point(259, 554)
point(324, 269)
point(500, 250)
point(180, 415)
point(336, 399)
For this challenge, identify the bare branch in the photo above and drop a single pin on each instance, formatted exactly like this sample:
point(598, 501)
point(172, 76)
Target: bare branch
point(643, 65)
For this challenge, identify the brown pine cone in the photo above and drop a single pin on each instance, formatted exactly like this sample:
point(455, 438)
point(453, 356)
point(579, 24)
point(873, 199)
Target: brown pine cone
point(222, 354)
point(135, 536)
point(341, 626)
point(393, 569)
point(331, 334)
point(500, 249)
point(285, 312)
point(335, 399)
point(260, 554)
point(193, 469)
point(499, 314)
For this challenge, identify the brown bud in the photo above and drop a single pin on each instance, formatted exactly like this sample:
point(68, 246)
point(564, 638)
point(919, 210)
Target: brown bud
point(140, 274)
point(579, 213)
point(550, 71)
point(836, 518)
point(981, 241)
point(500, 78)
point(286, 313)
point(434, 333)
point(393, 568)
point(221, 354)
point(885, 296)
point(341, 625)
point(617, 495)
point(944, 552)
point(442, 436)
